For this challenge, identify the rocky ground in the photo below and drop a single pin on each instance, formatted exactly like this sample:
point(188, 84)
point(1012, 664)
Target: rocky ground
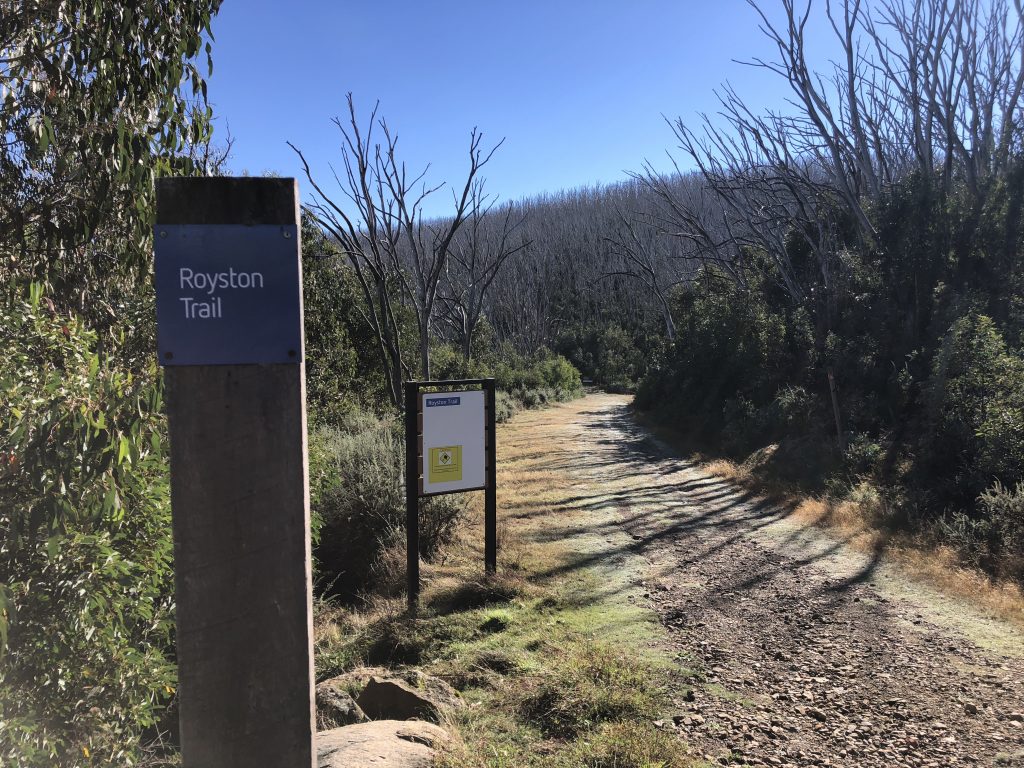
point(802, 652)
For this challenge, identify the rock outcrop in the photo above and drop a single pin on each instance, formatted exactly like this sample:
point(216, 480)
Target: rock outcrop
point(380, 744)
point(384, 694)
point(335, 706)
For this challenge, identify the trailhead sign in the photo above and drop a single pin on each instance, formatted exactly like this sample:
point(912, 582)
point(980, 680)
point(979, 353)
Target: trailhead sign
point(229, 314)
point(454, 449)
point(449, 448)
point(227, 294)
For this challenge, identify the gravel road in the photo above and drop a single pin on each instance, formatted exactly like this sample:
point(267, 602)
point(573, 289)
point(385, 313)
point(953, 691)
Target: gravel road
point(803, 652)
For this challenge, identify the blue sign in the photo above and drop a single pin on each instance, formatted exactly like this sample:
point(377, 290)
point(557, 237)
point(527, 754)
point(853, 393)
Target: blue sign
point(228, 294)
point(434, 401)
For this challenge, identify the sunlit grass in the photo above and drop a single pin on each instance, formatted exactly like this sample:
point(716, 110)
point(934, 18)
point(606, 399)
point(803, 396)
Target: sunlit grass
point(556, 663)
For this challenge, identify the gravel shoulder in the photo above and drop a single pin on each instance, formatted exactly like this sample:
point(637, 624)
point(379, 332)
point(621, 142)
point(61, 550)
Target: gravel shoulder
point(801, 651)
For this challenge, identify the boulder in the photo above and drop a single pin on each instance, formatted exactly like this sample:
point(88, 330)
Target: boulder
point(391, 699)
point(335, 706)
point(380, 744)
point(395, 694)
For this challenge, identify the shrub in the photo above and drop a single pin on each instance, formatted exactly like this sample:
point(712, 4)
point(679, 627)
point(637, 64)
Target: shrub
point(862, 456)
point(1000, 528)
point(357, 470)
point(976, 414)
point(793, 411)
point(609, 354)
point(505, 406)
point(560, 375)
point(86, 597)
point(730, 360)
point(521, 381)
point(446, 362)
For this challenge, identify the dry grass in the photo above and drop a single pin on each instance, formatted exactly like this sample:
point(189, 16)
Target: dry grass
point(508, 640)
point(728, 470)
point(860, 521)
point(917, 555)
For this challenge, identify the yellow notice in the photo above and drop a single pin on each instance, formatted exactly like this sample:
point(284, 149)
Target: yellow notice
point(446, 464)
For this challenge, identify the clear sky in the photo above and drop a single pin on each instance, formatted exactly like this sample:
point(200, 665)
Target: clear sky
point(577, 89)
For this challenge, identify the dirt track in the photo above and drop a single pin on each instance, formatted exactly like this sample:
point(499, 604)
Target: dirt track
point(804, 652)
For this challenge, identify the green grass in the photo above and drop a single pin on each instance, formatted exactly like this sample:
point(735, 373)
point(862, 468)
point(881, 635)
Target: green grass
point(725, 694)
point(558, 664)
point(553, 677)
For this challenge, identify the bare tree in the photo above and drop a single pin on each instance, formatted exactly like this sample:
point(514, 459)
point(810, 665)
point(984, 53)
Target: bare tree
point(646, 257)
point(478, 254)
point(394, 253)
point(426, 245)
point(929, 86)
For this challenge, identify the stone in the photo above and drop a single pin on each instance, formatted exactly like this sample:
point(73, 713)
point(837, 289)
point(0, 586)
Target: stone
point(817, 714)
point(389, 699)
point(392, 743)
point(335, 706)
point(438, 694)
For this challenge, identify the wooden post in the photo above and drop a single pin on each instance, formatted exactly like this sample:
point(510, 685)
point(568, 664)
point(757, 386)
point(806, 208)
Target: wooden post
point(491, 490)
point(240, 504)
point(412, 494)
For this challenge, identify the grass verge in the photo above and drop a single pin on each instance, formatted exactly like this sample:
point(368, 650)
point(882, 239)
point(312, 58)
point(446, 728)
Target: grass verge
point(862, 520)
point(556, 662)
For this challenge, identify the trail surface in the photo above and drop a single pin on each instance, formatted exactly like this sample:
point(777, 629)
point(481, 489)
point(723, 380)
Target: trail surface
point(804, 652)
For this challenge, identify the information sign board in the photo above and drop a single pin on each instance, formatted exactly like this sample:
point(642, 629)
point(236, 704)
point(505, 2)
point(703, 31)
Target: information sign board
point(454, 428)
point(228, 294)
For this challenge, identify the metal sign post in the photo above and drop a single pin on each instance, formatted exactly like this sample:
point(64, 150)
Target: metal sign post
point(449, 448)
point(229, 313)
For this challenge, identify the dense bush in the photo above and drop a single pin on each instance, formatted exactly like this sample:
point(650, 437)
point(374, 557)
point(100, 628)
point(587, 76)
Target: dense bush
point(526, 381)
point(975, 413)
point(544, 371)
point(1001, 528)
point(929, 391)
point(608, 354)
point(728, 366)
point(86, 604)
point(86, 592)
point(357, 473)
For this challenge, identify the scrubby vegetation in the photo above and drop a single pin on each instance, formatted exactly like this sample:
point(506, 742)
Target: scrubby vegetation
point(93, 109)
point(864, 314)
point(358, 502)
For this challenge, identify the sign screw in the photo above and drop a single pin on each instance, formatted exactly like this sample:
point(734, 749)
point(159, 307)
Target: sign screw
point(163, 234)
point(286, 233)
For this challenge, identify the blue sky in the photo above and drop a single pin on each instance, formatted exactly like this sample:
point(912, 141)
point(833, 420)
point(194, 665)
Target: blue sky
point(577, 89)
